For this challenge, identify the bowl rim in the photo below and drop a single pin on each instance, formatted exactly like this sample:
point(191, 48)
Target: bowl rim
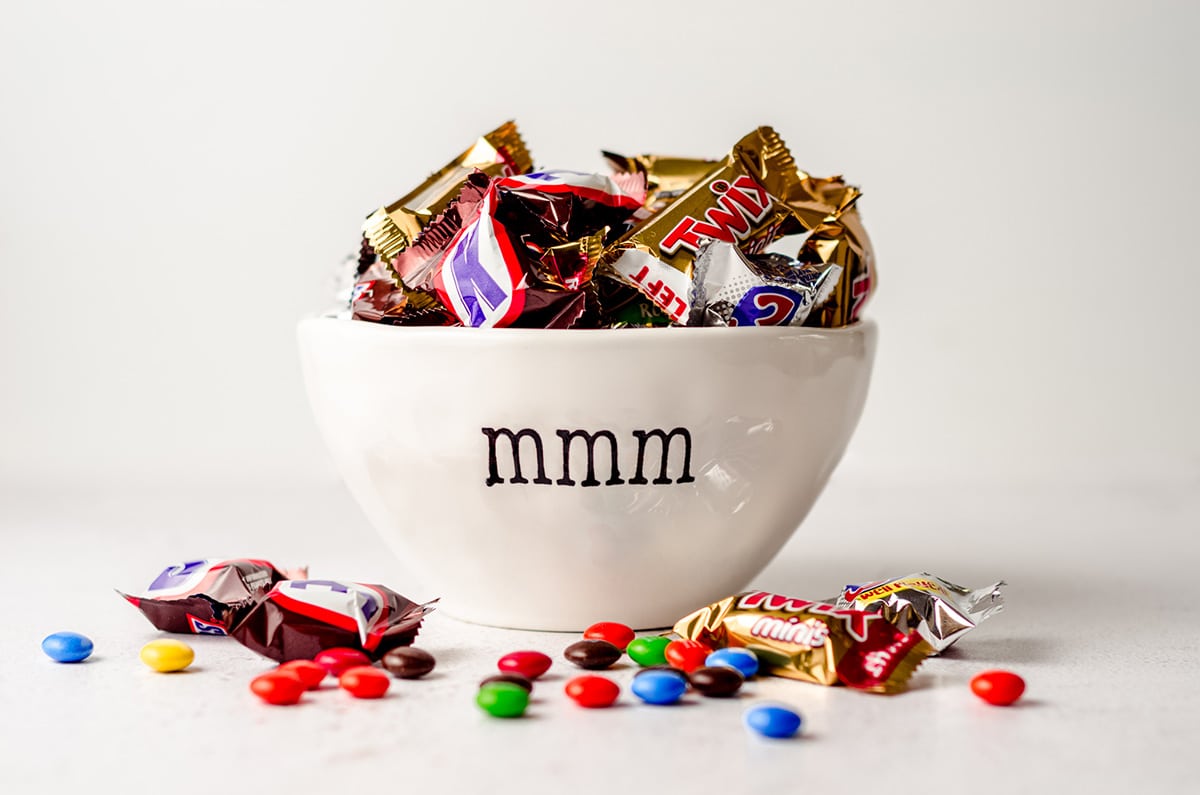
point(861, 326)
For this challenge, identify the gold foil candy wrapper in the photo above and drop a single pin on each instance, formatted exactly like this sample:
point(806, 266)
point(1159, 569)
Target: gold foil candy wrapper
point(666, 178)
point(390, 229)
point(826, 210)
point(939, 610)
point(814, 642)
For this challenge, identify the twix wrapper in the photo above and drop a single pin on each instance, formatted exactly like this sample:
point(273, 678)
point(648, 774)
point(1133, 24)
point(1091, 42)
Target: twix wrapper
point(390, 229)
point(811, 641)
point(737, 201)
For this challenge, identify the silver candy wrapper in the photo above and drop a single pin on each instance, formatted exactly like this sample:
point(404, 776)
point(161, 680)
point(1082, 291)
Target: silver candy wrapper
point(732, 289)
point(940, 611)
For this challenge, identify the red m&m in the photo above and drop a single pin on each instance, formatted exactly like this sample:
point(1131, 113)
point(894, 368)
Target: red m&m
point(364, 681)
point(687, 655)
point(309, 672)
point(529, 664)
point(337, 660)
point(999, 688)
point(278, 687)
point(593, 691)
point(617, 634)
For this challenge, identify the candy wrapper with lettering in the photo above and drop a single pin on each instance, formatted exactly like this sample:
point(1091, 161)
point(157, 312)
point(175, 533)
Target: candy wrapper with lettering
point(811, 641)
point(201, 596)
point(731, 289)
point(940, 611)
point(299, 618)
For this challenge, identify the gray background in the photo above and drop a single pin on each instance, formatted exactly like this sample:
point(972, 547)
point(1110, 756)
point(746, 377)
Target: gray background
point(176, 181)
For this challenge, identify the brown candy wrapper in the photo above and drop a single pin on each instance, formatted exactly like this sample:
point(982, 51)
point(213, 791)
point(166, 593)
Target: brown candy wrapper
point(390, 229)
point(811, 641)
point(201, 596)
point(299, 618)
point(382, 301)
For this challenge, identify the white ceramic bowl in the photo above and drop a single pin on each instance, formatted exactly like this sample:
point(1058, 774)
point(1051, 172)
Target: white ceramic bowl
point(418, 421)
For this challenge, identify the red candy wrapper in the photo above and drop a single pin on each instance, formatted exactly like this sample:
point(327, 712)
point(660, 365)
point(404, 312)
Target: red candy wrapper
point(200, 596)
point(299, 618)
point(811, 641)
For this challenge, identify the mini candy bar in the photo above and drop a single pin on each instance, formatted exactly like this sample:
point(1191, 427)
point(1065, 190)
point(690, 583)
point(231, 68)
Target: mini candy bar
point(825, 210)
point(666, 178)
point(200, 596)
point(940, 611)
point(393, 227)
point(297, 619)
point(811, 641)
point(731, 289)
point(736, 202)
point(381, 301)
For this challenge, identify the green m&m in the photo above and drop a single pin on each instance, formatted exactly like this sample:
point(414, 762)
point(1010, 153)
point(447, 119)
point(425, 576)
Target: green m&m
point(503, 699)
point(648, 651)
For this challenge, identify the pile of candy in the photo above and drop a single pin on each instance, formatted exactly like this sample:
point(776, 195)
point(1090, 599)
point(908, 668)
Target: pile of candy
point(487, 241)
point(870, 637)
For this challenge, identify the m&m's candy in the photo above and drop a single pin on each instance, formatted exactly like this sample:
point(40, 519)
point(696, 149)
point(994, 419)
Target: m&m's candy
point(364, 681)
point(998, 688)
point(744, 660)
point(773, 721)
point(618, 635)
point(659, 687)
point(309, 672)
point(67, 647)
point(280, 687)
point(686, 655)
point(502, 699)
point(592, 654)
point(593, 691)
point(648, 651)
point(338, 659)
point(529, 664)
point(167, 655)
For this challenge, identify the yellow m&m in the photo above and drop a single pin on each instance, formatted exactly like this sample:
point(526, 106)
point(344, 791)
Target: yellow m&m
point(166, 656)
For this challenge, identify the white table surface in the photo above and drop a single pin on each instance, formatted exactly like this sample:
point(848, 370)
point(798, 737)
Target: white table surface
point(1101, 621)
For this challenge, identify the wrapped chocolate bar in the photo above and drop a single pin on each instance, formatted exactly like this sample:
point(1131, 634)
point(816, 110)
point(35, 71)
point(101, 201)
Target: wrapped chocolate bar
point(940, 611)
point(811, 641)
point(393, 227)
point(735, 202)
point(296, 619)
point(382, 301)
point(731, 289)
point(825, 212)
point(200, 596)
point(666, 178)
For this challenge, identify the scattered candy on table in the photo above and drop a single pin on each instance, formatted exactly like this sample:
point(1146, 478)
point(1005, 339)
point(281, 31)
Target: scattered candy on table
point(718, 681)
point(167, 655)
point(67, 647)
point(617, 634)
point(648, 651)
point(502, 699)
point(408, 662)
point(592, 691)
point(659, 687)
point(312, 674)
point(337, 660)
point(530, 664)
point(772, 721)
point(998, 688)
point(744, 660)
point(686, 655)
point(364, 681)
point(280, 687)
point(592, 654)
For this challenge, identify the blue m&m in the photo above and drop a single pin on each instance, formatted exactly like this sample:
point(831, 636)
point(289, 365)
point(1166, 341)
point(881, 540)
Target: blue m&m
point(772, 721)
point(744, 660)
point(659, 687)
point(67, 647)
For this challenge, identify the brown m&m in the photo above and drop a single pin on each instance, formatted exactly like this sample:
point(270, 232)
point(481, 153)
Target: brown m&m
point(408, 662)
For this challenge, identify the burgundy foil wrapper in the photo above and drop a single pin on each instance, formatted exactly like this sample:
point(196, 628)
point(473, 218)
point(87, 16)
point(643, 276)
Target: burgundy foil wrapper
point(300, 618)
